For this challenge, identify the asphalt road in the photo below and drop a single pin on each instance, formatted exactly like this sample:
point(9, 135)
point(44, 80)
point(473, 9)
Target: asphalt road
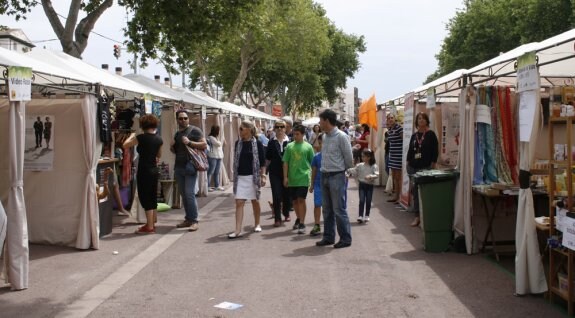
point(275, 273)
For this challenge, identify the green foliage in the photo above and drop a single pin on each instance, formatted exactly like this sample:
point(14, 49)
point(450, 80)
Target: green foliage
point(179, 27)
point(17, 8)
point(485, 28)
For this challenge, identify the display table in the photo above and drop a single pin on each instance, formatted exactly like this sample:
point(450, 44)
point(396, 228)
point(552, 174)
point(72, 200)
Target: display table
point(495, 202)
point(171, 193)
point(105, 206)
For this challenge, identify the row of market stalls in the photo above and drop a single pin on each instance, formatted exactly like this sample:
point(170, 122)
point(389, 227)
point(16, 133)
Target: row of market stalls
point(55, 201)
point(490, 107)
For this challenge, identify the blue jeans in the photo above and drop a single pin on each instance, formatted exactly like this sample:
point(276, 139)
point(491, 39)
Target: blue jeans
point(214, 170)
point(186, 179)
point(365, 194)
point(333, 190)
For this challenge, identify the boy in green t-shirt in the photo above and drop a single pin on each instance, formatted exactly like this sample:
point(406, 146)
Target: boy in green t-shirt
point(297, 168)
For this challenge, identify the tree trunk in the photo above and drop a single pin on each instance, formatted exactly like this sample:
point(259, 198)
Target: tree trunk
point(81, 32)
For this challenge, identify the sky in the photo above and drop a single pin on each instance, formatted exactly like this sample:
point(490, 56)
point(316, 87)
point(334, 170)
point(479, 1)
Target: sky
point(402, 37)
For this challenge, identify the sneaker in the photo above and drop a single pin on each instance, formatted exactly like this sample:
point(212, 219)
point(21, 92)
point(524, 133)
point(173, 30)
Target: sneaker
point(194, 227)
point(258, 228)
point(145, 230)
point(211, 189)
point(301, 229)
point(221, 189)
point(315, 231)
point(295, 225)
point(277, 223)
point(366, 219)
point(184, 223)
point(287, 219)
point(360, 219)
point(123, 213)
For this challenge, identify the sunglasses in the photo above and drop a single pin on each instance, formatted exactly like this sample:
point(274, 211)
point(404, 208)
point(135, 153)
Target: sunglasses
point(182, 118)
point(278, 127)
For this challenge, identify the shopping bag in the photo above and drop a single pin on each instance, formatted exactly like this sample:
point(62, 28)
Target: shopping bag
point(198, 158)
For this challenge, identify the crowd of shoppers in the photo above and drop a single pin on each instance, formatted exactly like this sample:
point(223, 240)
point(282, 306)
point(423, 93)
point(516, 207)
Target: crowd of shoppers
point(296, 159)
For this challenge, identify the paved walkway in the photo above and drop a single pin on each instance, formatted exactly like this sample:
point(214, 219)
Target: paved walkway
point(275, 273)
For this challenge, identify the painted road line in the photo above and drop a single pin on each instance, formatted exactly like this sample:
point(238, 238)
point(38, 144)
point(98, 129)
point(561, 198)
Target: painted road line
point(83, 306)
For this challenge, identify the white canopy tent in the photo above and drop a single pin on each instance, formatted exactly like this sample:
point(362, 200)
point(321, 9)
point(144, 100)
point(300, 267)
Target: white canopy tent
point(555, 64)
point(55, 218)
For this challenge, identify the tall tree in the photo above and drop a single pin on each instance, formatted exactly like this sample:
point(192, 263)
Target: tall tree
point(485, 28)
point(73, 35)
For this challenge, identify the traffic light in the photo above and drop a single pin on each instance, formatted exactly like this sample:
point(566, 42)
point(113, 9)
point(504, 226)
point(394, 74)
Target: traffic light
point(117, 51)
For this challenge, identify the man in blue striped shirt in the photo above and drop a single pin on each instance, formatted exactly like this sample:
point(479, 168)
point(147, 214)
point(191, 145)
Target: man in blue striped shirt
point(336, 159)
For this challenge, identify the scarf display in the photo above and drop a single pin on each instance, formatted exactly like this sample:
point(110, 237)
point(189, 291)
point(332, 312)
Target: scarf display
point(255, 165)
point(495, 146)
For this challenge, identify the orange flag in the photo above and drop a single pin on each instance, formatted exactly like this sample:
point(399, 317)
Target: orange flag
point(368, 112)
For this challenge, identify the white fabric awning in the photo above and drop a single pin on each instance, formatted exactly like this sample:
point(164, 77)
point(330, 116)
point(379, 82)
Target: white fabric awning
point(175, 93)
point(95, 74)
point(45, 73)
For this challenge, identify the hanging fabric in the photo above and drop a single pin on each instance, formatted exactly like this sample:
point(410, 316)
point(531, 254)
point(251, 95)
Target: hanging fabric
point(509, 143)
point(478, 176)
point(503, 171)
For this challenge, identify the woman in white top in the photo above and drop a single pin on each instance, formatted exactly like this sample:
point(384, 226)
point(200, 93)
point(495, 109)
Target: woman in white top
point(313, 138)
point(215, 156)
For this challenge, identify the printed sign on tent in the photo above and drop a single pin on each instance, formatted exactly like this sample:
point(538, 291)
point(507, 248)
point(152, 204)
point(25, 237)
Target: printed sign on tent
point(19, 83)
point(483, 114)
point(527, 74)
point(430, 98)
point(527, 104)
point(39, 143)
point(148, 102)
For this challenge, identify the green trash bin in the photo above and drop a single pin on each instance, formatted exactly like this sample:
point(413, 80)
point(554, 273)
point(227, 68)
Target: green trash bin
point(436, 196)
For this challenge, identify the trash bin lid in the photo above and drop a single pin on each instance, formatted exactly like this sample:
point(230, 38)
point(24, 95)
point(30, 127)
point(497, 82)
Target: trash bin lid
point(434, 175)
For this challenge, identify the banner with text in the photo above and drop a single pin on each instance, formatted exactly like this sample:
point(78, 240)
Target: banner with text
point(19, 83)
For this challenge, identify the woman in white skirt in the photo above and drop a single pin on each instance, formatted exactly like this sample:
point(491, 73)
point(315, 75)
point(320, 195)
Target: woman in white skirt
point(249, 165)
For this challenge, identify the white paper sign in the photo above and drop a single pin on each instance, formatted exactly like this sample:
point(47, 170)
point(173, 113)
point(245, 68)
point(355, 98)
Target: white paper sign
point(19, 83)
point(527, 74)
point(483, 114)
point(204, 116)
point(527, 104)
point(431, 98)
point(148, 103)
point(569, 233)
point(560, 219)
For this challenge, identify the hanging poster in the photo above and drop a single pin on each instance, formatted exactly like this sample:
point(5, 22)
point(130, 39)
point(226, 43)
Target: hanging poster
point(483, 114)
point(19, 83)
point(204, 116)
point(431, 98)
point(527, 104)
point(148, 102)
point(569, 233)
point(408, 111)
point(527, 74)
point(39, 143)
point(449, 134)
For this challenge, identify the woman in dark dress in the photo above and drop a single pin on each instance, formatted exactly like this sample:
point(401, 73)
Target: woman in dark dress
point(422, 154)
point(149, 149)
point(274, 155)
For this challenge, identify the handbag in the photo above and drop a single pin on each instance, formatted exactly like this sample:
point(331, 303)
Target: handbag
point(198, 158)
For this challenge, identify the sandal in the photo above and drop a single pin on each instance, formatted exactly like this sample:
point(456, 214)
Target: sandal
point(233, 235)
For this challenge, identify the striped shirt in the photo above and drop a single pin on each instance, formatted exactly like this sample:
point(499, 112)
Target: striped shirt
point(336, 152)
point(395, 146)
